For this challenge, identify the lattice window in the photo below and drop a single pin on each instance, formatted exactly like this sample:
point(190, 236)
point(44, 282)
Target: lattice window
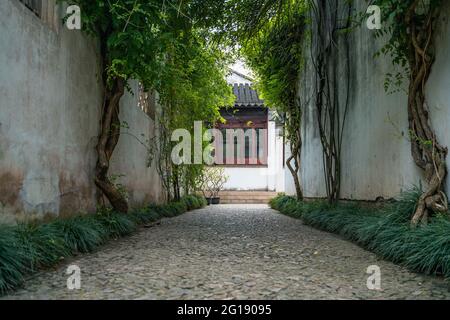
point(254, 143)
point(147, 101)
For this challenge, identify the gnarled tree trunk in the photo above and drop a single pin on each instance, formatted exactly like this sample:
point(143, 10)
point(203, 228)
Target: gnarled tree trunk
point(107, 141)
point(427, 153)
point(296, 147)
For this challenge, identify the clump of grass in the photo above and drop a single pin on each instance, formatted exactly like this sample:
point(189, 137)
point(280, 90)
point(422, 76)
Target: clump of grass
point(385, 231)
point(44, 244)
point(116, 224)
point(176, 208)
point(193, 202)
point(14, 262)
point(429, 251)
point(392, 242)
point(82, 233)
point(27, 247)
point(145, 216)
point(401, 210)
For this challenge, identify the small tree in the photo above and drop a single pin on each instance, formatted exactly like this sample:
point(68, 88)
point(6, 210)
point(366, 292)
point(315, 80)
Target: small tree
point(133, 36)
point(212, 181)
point(144, 40)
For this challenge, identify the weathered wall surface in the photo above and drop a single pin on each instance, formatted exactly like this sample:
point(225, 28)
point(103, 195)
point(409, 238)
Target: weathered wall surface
point(376, 159)
point(131, 157)
point(50, 99)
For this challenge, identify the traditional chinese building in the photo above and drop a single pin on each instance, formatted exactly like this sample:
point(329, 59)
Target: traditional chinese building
point(255, 163)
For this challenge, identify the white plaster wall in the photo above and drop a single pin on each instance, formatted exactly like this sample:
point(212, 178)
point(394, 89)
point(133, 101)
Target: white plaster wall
point(130, 157)
point(376, 159)
point(289, 186)
point(246, 178)
point(438, 86)
point(50, 100)
point(48, 115)
point(279, 165)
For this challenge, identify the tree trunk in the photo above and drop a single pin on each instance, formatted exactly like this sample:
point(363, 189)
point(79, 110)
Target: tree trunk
point(295, 148)
point(107, 141)
point(426, 151)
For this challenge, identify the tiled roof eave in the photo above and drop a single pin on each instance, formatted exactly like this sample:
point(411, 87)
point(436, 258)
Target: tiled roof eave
point(249, 105)
point(246, 96)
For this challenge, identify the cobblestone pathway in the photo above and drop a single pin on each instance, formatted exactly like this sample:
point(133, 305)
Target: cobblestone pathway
point(231, 252)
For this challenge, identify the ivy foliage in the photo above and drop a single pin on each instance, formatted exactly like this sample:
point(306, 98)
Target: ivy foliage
point(275, 54)
point(238, 20)
point(140, 38)
point(133, 36)
point(411, 44)
point(396, 29)
point(397, 36)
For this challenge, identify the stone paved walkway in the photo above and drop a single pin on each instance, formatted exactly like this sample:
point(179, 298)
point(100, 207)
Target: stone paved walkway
point(231, 252)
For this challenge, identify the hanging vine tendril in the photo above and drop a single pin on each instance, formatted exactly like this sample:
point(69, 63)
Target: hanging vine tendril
point(276, 53)
point(328, 33)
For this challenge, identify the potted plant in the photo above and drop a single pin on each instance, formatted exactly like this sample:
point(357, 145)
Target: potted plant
point(211, 182)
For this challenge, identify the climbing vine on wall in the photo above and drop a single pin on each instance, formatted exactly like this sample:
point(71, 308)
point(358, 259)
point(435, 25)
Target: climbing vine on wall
point(330, 26)
point(275, 54)
point(411, 44)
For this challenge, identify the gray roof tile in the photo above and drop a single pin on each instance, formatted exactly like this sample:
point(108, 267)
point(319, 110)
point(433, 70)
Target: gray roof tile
point(246, 96)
